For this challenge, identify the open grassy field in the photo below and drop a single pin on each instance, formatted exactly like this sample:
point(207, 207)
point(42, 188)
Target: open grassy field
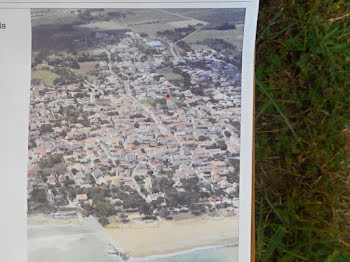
point(103, 25)
point(234, 36)
point(103, 102)
point(169, 74)
point(140, 16)
point(54, 16)
point(211, 14)
point(152, 29)
point(85, 67)
point(148, 21)
point(303, 131)
point(47, 76)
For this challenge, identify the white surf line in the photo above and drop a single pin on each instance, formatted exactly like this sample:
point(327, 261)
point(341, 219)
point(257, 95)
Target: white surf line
point(148, 258)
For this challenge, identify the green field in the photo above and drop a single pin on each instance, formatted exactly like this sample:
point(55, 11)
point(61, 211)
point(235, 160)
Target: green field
point(147, 21)
point(141, 16)
point(91, 78)
point(169, 74)
point(85, 67)
point(234, 36)
point(53, 17)
point(40, 67)
point(103, 25)
point(211, 15)
point(103, 102)
point(47, 76)
point(152, 29)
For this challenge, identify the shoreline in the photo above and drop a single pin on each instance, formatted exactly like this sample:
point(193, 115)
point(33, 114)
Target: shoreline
point(180, 252)
point(164, 238)
point(160, 239)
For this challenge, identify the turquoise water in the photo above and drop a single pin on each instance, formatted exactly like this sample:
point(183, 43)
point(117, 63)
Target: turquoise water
point(75, 243)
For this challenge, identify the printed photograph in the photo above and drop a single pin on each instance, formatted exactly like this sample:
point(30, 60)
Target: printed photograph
point(134, 135)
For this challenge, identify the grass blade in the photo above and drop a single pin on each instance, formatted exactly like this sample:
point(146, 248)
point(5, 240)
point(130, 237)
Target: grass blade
point(275, 241)
point(262, 87)
point(273, 20)
point(260, 231)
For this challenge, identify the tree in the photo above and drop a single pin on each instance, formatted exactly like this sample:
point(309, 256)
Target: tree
point(227, 133)
point(123, 217)
point(138, 178)
point(51, 161)
point(164, 212)
point(75, 65)
point(133, 201)
point(145, 209)
point(63, 133)
point(45, 128)
point(39, 196)
point(203, 138)
point(220, 192)
point(98, 197)
point(162, 184)
point(103, 221)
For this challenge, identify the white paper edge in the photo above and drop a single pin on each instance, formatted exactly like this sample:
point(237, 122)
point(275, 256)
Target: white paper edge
point(14, 113)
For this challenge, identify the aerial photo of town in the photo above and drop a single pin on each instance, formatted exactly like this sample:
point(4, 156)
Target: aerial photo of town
point(134, 135)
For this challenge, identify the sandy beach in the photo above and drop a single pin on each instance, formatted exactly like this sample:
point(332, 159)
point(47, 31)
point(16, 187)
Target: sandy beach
point(164, 237)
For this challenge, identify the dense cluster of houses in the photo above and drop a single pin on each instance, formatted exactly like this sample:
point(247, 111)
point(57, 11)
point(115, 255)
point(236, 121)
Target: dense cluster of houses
point(114, 133)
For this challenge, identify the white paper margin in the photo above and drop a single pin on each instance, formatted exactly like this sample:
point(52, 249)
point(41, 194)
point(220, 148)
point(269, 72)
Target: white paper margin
point(15, 73)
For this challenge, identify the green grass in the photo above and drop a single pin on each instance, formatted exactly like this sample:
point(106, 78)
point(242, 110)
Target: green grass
point(53, 16)
point(176, 101)
point(211, 14)
point(303, 131)
point(103, 102)
point(150, 101)
point(47, 76)
point(234, 36)
point(169, 74)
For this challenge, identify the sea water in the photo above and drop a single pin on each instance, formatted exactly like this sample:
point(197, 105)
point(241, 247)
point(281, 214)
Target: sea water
point(75, 243)
point(218, 254)
point(66, 243)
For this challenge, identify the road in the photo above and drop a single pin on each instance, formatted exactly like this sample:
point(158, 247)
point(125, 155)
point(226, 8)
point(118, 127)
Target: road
point(137, 187)
point(178, 58)
point(126, 84)
point(159, 123)
point(105, 149)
